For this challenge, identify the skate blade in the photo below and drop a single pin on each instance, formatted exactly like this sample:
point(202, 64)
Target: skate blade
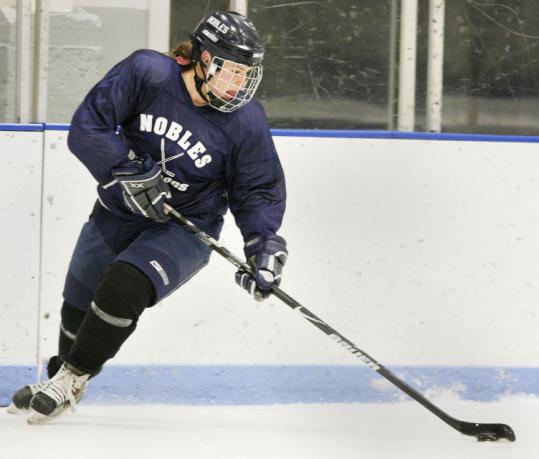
point(12, 409)
point(35, 417)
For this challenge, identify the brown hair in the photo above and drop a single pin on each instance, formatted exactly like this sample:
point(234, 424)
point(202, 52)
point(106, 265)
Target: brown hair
point(183, 54)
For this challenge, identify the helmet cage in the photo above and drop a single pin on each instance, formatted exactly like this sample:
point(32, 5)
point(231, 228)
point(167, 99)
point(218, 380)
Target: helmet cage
point(229, 84)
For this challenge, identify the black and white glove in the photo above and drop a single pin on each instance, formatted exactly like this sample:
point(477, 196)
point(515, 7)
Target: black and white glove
point(267, 256)
point(143, 188)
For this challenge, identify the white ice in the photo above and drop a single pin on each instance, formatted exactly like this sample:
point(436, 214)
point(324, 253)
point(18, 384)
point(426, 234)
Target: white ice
point(371, 431)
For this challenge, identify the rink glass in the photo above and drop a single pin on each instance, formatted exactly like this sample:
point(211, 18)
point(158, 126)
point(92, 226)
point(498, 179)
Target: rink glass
point(328, 65)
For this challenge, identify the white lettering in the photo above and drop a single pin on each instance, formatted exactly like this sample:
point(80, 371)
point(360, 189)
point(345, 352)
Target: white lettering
point(201, 162)
point(194, 151)
point(183, 142)
point(175, 184)
point(160, 125)
point(211, 36)
point(218, 24)
point(146, 122)
point(174, 131)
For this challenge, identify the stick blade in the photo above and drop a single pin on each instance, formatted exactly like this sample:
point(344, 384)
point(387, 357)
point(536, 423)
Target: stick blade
point(487, 432)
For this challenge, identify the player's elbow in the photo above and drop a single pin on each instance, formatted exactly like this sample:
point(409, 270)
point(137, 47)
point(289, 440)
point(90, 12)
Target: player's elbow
point(73, 138)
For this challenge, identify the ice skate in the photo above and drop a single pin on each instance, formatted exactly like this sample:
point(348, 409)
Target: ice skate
point(59, 393)
point(20, 402)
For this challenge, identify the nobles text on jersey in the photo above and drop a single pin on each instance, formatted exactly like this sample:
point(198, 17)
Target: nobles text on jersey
point(172, 131)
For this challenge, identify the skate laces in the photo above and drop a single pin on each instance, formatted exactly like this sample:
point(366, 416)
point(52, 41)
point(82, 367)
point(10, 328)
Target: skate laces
point(63, 387)
point(35, 388)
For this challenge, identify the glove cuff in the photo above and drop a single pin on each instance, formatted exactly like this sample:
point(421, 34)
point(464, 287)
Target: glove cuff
point(273, 245)
point(136, 167)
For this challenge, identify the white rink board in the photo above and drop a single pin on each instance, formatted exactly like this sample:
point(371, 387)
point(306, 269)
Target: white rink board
point(20, 211)
point(68, 197)
point(421, 252)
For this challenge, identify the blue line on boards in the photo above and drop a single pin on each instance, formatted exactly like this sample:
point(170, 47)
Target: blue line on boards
point(342, 134)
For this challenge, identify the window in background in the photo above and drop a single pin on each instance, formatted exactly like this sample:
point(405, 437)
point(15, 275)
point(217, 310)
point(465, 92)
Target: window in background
point(185, 15)
point(8, 59)
point(326, 63)
point(87, 37)
point(491, 66)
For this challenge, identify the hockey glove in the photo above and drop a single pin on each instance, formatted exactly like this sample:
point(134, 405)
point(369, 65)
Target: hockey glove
point(143, 188)
point(267, 256)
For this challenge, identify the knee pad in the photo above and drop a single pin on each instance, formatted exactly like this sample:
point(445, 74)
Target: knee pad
point(122, 295)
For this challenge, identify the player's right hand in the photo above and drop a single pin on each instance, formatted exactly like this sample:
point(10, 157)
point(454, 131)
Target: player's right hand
point(144, 189)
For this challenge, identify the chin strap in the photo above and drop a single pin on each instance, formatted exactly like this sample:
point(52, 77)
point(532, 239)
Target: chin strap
point(198, 85)
point(199, 82)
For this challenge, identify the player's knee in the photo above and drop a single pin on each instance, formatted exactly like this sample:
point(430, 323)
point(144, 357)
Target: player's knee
point(123, 293)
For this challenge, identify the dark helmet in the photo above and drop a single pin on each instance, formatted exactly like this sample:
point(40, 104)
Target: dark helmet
point(228, 35)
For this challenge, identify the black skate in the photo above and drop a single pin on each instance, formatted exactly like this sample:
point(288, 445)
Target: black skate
point(20, 402)
point(58, 394)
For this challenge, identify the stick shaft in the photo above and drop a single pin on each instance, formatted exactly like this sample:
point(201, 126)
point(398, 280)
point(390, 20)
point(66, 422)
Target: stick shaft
point(317, 322)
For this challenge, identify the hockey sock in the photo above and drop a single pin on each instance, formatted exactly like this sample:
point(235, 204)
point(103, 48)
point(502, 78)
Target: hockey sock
point(72, 318)
point(69, 326)
point(121, 297)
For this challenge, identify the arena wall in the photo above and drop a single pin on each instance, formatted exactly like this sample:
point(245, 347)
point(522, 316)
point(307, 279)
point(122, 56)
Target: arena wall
point(423, 251)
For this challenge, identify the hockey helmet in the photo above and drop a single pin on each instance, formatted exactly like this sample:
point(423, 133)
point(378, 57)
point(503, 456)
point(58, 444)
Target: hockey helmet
point(235, 71)
point(229, 35)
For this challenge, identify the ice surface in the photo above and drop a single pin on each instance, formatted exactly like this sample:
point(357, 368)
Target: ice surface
point(371, 431)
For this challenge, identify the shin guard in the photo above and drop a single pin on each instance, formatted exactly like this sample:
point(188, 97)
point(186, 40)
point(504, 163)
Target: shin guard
point(121, 297)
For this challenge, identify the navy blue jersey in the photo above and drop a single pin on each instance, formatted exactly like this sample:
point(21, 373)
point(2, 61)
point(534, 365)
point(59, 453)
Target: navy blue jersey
point(211, 160)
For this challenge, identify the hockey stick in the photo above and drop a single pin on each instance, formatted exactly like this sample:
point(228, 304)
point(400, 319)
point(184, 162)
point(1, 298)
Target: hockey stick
point(483, 432)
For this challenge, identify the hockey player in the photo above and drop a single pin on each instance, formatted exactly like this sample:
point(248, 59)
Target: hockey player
point(188, 134)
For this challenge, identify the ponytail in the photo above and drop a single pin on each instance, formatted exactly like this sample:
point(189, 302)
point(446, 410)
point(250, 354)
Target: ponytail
point(182, 53)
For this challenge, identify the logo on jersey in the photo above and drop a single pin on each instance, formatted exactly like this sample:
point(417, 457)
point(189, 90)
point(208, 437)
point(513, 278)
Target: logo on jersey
point(169, 176)
point(175, 132)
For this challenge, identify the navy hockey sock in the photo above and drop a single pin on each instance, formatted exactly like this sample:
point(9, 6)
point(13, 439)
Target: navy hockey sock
point(120, 299)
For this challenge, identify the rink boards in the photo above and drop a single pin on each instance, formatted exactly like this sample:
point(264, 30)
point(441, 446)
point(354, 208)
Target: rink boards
point(421, 249)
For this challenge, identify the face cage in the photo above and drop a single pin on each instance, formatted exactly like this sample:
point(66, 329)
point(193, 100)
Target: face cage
point(231, 85)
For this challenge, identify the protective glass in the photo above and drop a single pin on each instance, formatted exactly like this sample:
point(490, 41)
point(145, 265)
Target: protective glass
point(231, 85)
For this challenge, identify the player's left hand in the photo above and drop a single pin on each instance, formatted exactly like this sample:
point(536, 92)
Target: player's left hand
point(267, 256)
